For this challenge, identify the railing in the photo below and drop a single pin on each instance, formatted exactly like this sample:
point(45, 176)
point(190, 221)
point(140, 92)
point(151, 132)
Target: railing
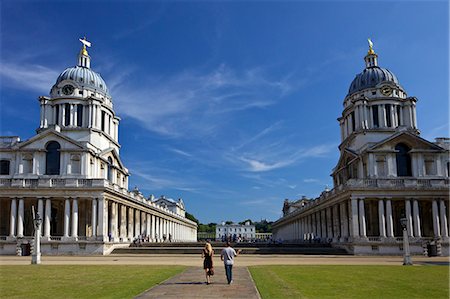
point(58, 182)
point(53, 238)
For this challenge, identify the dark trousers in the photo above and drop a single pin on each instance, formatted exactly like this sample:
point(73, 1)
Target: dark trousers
point(229, 273)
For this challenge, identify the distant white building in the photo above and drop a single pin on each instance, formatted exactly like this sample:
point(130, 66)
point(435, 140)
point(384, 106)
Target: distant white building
point(235, 232)
point(72, 174)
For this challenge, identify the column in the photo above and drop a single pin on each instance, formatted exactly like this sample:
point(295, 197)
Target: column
point(381, 218)
point(75, 218)
point(153, 228)
point(329, 214)
point(143, 219)
point(408, 217)
point(94, 217)
point(137, 227)
point(323, 224)
point(362, 219)
point(40, 210)
point(20, 218)
point(130, 224)
point(416, 219)
point(123, 223)
point(12, 222)
point(66, 217)
point(102, 215)
point(148, 222)
point(436, 228)
point(443, 214)
point(48, 211)
point(344, 221)
point(336, 220)
point(355, 217)
point(389, 219)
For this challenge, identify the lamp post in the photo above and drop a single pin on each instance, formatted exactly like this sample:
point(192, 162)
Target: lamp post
point(406, 253)
point(36, 256)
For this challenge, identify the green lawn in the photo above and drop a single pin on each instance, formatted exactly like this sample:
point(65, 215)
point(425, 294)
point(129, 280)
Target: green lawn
point(81, 281)
point(352, 281)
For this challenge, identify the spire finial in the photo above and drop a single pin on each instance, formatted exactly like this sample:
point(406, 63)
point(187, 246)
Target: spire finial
point(371, 51)
point(85, 43)
point(83, 58)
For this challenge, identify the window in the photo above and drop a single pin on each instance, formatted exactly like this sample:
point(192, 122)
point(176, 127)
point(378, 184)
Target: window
point(4, 167)
point(403, 160)
point(76, 164)
point(57, 115)
point(353, 121)
point(376, 123)
point(399, 123)
point(448, 168)
point(27, 161)
point(110, 163)
point(79, 115)
point(52, 158)
point(388, 115)
point(67, 114)
point(381, 166)
point(103, 121)
point(429, 166)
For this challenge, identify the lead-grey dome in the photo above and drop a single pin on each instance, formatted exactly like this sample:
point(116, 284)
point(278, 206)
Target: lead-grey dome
point(84, 77)
point(371, 77)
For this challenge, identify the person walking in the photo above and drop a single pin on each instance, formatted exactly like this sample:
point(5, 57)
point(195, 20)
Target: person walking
point(207, 255)
point(227, 256)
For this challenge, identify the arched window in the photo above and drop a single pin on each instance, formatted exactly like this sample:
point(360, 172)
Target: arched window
point(52, 158)
point(110, 163)
point(403, 160)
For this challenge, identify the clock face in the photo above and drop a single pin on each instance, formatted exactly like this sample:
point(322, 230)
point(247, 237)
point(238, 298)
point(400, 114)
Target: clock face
point(386, 90)
point(67, 89)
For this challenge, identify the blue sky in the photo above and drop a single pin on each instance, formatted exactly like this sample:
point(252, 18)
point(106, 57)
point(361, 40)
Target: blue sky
point(230, 105)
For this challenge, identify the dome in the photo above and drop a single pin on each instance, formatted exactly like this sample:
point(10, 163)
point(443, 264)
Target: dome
point(371, 77)
point(84, 77)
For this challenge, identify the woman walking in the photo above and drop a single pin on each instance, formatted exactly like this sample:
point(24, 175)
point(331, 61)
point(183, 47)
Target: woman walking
point(207, 255)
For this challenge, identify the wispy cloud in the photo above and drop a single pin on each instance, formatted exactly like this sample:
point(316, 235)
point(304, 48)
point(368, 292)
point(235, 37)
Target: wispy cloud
point(28, 76)
point(280, 155)
point(180, 152)
point(194, 103)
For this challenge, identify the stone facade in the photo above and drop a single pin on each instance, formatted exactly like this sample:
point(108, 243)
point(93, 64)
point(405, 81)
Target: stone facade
point(385, 172)
point(72, 174)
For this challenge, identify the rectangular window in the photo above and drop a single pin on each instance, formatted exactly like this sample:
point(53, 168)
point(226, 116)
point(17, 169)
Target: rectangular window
point(103, 121)
point(353, 121)
point(399, 122)
point(388, 115)
point(79, 115)
point(4, 167)
point(67, 114)
point(57, 115)
point(376, 123)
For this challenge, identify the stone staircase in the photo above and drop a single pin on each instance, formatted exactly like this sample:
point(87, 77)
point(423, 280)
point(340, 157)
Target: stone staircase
point(247, 248)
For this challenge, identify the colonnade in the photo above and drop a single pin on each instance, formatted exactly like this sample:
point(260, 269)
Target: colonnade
point(101, 220)
point(352, 220)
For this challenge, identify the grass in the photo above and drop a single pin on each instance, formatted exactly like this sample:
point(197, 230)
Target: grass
point(351, 281)
point(81, 281)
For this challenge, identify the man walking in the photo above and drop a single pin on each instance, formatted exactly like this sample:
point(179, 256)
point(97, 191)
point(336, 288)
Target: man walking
point(227, 256)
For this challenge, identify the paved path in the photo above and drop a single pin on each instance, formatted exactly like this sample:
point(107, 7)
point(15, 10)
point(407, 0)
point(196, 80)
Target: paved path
point(192, 284)
point(195, 260)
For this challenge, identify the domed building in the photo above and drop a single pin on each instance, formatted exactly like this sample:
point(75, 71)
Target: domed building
point(386, 174)
point(72, 175)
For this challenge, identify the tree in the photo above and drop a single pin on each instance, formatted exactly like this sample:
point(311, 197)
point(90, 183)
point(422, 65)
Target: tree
point(249, 220)
point(192, 217)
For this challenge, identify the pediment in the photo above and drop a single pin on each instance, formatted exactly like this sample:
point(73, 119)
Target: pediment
point(346, 156)
point(40, 141)
point(112, 152)
point(413, 141)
